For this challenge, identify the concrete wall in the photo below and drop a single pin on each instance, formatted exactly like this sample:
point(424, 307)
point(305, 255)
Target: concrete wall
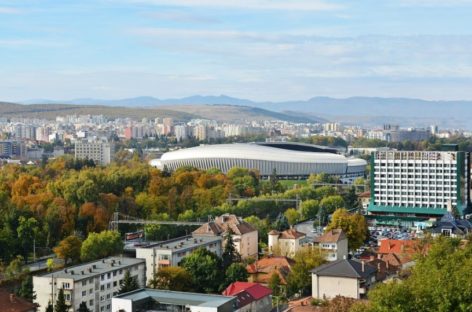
point(330, 287)
point(248, 244)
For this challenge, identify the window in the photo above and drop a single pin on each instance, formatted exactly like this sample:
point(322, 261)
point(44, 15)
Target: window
point(102, 287)
point(84, 293)
point(91, 302)
point(90, 290)
point(84, 283)
point(66, 285)
point(115, 283)
point(102, 277)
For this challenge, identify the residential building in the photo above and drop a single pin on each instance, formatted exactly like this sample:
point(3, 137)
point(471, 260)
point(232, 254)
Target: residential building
point(398, 254)
point(451, 227)
point(347, 278)
point(100, 151)
point(413, 186)
point(261, 270)
point(285, 243)
point(171, 252)
point(94, 283)
point(148, 300)
point(245, 236)
point(12, 149)
point(334, 243)
point(9, 302)
point(251, 297)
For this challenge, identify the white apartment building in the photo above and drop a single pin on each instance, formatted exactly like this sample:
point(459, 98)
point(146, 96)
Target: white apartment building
point(100, 151)
point(412, 183)
point(94, 283)
point(171, 252)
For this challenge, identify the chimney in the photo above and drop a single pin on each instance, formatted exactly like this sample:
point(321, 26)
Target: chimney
point(12, 298)
point(363, 265)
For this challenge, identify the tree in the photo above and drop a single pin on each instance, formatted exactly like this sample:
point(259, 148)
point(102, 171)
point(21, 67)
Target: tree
point(230, 254)
point(351, 199)
point(309, 209)
point(61, 305)
point(299, 279)
point(236, 272)
point(129, 283)
point(354, 225)
point(14, 270)
point(83, 307)
point(27, 231)
point(172, 278)
point(274, 283)
point(331, 203)
point(69, 249)
point(26, 289)
point(292, 216)
point(49, 307)
point(205, 268)
point(101, 245)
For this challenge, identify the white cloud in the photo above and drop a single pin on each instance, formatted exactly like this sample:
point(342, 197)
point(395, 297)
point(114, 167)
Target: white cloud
point(294, 5)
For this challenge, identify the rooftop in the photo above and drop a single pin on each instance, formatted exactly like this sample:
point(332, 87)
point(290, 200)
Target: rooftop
point(87, 270)
point(332, 236)
point(224, 222)
point(345, 268)
point(177, 297)
point(183, 243)
point(11, 303)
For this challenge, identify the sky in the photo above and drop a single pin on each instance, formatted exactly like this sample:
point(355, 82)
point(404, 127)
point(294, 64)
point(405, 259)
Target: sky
point(263, 50)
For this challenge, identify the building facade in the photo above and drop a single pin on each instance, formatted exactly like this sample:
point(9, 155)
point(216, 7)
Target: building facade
point(285, 243)
point(100, 151)
point(334, 243)
point(171, 252)
point(94, 283)
point(409, 184)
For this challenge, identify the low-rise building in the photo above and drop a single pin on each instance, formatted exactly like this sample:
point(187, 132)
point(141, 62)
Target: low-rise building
point(147, 300)
point(285, 243)
point(251, 297)
point(9, 302)
point(398, 254)
point(261, 270)
point(334, 243)
point(347, 278)
point(245, 236)
point(171, 252)
point(94, 283)
point(451, 227)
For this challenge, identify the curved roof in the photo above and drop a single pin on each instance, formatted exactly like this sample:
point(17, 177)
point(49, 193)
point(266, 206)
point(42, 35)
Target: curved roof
point(252, 151)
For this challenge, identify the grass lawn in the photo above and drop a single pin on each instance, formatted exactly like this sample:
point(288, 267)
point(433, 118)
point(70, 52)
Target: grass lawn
point(290, 183)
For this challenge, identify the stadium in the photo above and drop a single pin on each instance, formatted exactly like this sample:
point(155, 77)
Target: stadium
point(290, 160)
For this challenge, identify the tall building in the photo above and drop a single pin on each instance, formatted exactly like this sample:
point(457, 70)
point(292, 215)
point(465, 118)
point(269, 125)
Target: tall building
point(407, 185)
point(12, 149)
point(181, 132)
point(168, 125)
point(100, 151)
point(94, 283)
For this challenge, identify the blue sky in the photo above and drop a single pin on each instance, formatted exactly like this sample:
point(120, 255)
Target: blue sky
point(256, 49)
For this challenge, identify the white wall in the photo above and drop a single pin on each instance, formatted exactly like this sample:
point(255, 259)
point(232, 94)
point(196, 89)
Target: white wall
point(330, 287)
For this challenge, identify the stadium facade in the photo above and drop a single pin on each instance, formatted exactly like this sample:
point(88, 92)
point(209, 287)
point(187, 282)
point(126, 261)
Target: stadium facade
point(290, 160)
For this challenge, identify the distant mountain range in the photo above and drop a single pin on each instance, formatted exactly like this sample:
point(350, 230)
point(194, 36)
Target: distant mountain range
point(370, 111)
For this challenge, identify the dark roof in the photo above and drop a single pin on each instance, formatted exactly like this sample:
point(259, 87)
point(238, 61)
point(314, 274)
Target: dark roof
point(457, 226)
point(223, 223)
point(12, 303)
point(345, 268)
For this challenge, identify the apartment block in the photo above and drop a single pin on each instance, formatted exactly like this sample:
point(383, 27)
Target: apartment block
point(100, 151)
point(94, 283)
point(411, 184)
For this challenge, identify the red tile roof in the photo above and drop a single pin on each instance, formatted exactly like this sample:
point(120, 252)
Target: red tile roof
point(332, 236)
point(11, 303)
point(399, 247)
point(262, 269)
point(257, 291)
point(291, 234)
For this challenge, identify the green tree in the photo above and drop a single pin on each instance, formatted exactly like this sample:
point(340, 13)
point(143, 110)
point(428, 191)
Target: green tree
point(27, 231)
point(331, 203)
point(205, 268)
point(101, 245)
point(69, 249)
point(230, 254)
point(274, 284)
point(299, 279)
point(129, 283)
point(172, 278)
point(61, 305)
point(14, 270)
point(26, 289)
point(49, 307)
point(351, 199)
point(83, 307)
point(292, 216)
point(353, 224)
point(309, 209)
point(236, 272)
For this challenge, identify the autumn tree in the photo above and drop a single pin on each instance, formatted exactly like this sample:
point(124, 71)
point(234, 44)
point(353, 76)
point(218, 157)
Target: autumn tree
point(69, 249)
point(353, 224)
point(172, 278)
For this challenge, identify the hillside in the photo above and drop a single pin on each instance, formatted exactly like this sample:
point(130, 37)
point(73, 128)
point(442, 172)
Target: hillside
point(225, 113)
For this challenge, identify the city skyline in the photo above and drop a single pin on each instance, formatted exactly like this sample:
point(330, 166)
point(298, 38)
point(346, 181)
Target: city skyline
point(259, 50)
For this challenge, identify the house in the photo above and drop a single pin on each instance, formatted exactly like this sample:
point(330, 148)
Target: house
point(251, 297)
point(94, 283)
point(11, 303)
point(398, 254)
point(261, 270)
point(166, 300)
point(347, 278)
point(171, 252)
point(285, 243)
point(245, 236)
point(451, 227)
point(364, 198)
point(334, 243)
